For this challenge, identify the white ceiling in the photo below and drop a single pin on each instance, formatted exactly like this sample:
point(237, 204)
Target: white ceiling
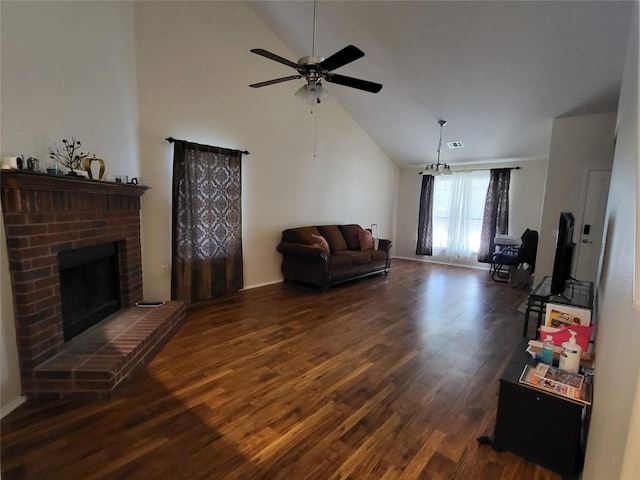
point(498, 72)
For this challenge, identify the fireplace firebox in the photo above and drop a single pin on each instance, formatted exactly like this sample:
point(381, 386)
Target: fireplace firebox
point(89, 286)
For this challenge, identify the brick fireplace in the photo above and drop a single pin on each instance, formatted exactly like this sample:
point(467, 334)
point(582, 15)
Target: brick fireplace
point(45, 215)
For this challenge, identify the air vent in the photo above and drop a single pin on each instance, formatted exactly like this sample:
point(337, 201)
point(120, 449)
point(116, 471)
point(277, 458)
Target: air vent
point(457, 144)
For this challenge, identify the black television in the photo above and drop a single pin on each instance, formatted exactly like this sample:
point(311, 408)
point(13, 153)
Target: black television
point(564, 254)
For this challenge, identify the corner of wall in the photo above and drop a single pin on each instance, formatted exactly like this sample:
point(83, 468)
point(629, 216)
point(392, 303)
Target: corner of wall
point(10, 387)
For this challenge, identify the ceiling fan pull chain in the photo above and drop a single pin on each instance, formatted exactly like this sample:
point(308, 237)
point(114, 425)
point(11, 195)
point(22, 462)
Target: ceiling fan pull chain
point(315, 132)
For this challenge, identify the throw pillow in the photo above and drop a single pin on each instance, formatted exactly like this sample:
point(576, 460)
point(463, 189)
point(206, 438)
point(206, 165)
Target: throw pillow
point(299, 235)
point(366, 240)
point(320, 242)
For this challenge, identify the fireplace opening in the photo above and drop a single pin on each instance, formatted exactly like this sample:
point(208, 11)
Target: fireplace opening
point(89, 286)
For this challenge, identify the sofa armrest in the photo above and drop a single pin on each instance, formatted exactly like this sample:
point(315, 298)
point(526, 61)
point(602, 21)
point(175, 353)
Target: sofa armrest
point(301, 250)
point(384, 244)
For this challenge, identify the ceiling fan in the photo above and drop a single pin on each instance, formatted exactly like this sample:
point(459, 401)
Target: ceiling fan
point(314, 69)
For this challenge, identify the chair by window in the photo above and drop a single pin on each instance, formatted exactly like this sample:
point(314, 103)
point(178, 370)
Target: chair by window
point(512, 256)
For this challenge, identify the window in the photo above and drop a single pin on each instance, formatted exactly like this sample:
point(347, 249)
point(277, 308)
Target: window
point(458, 205)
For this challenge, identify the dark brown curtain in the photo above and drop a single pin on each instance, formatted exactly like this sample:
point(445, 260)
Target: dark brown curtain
point(207, 222)
point(495, 220)
point(424, 245)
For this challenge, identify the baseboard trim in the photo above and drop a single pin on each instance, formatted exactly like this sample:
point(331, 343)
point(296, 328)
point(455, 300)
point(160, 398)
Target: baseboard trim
point(263, 284)
point(11, 406)
point(477, 267)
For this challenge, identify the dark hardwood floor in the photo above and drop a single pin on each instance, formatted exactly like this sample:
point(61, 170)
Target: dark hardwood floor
point(384, 378)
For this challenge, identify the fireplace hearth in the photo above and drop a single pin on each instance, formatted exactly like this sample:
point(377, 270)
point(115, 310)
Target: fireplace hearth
point(58, 227)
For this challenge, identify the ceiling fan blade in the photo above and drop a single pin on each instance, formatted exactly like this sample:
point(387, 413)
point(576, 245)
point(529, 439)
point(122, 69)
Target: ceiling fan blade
point(275, 80)
point(347, 55)
point(354, 82)
point(273, 56)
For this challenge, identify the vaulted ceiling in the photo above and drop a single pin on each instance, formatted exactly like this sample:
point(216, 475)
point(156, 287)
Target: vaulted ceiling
point(498, 72)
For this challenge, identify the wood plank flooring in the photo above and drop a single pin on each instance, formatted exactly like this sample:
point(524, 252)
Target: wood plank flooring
point(384, 378)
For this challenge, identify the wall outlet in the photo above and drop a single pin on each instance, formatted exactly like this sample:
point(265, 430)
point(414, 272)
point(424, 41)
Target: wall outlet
point(165, 269)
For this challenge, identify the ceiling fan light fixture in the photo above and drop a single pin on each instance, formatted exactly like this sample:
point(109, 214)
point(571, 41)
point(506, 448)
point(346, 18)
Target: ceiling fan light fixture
point(312, 93)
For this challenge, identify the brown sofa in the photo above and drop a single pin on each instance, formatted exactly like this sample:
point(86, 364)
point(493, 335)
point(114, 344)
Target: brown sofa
point(350, 254)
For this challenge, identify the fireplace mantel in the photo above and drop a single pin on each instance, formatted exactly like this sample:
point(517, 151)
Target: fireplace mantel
point(24, 179)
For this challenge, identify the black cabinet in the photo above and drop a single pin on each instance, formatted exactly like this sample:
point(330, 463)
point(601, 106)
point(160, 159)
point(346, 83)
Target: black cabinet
point(540, 427)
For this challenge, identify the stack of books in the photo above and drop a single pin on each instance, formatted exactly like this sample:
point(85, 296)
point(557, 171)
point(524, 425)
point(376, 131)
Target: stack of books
point(557, 382)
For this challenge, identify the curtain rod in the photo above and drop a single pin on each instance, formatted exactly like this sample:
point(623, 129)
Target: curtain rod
point(482, 169)
point(473, 170)
point(172, 140)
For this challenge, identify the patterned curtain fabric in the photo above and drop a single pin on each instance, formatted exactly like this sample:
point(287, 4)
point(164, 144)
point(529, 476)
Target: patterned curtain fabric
point(495, 220)
point(424, 245)
point(207, 222)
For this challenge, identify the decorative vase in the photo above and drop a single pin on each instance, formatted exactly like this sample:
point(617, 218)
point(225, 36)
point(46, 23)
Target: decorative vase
point(100, 168)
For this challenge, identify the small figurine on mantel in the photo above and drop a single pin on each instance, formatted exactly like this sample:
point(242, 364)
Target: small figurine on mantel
point(69, 155)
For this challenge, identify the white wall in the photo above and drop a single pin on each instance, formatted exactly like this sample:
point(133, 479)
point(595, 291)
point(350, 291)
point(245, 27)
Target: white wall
point(525, 203)
point(578, 144)
point(194, 67)
point(67, 69)
point(65, 73)
point(614, 439)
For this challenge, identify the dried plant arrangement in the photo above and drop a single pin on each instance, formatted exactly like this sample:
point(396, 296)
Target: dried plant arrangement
point(69, 155)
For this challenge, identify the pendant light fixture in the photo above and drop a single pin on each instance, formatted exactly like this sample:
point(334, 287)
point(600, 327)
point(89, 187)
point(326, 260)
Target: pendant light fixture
point(437, 168)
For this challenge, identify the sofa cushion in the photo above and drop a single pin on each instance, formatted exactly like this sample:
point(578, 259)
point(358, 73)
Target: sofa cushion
point(339, 260)
point(320, 242)
point(334, 237)
point(366, 240)
point(357, 257)
point(351, 234)
point(300, 235)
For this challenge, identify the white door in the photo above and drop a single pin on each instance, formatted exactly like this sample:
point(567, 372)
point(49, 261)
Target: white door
point(588, 234)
